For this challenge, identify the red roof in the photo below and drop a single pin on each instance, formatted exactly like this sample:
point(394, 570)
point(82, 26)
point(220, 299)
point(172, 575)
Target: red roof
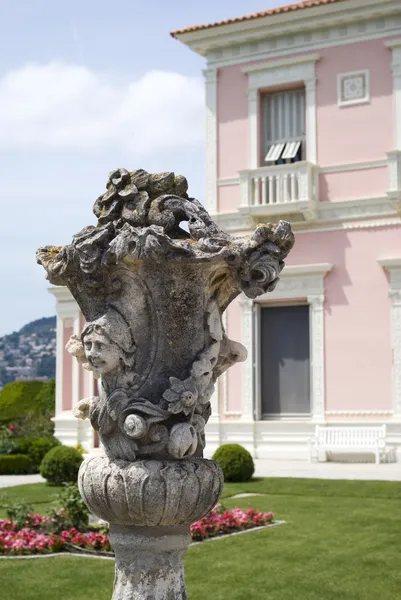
point(265, 13)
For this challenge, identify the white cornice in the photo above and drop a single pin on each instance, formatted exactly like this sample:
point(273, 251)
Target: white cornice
point(66, 305)
point(290, 45)
point(338, 15)
point(363, 213)
point(62, 293)
point(283, 62)
point(224, 181)
point(316, 270)
point(393, 43)
point(390, 263)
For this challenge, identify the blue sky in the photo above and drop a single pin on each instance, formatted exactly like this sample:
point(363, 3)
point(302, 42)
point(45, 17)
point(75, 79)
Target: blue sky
point(86, 87)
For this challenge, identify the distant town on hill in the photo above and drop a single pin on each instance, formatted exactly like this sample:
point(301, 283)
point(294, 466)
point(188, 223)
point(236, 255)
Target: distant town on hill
point(29, 353)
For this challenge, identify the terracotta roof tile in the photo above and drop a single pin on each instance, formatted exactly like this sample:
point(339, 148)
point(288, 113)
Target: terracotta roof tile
point(258, 15)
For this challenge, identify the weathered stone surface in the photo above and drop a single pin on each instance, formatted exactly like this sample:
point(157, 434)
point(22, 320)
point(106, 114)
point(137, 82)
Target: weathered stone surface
point(153, 295)
point(149, 562)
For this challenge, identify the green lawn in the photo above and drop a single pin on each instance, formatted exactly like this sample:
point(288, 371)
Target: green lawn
point(341, 541)
point(40, 496)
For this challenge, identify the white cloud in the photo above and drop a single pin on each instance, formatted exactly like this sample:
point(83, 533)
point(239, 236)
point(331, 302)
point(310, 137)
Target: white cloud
point(67, 107)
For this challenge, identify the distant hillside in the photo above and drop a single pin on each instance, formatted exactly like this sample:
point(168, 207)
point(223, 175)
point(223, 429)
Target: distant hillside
point(29, 353)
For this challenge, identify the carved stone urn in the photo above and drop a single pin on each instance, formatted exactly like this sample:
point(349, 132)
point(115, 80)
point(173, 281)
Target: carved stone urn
point(153, 294)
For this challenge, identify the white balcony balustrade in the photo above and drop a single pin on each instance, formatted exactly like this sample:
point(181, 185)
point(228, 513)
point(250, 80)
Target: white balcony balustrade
point(280, 189)
point(394, 173)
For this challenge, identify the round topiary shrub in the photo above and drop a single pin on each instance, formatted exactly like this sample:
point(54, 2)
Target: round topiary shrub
point(235, 462)
point(36, 448)
point(61, 465)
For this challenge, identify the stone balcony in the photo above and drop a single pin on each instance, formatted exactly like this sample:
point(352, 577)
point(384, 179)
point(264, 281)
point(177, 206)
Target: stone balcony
point(280, 190)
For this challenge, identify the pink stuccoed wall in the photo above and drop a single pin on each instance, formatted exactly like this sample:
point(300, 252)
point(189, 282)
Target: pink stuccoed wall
point(228, 196)
point(357, 315)
point(232, 121)
point(353, 185)
point(342, 134)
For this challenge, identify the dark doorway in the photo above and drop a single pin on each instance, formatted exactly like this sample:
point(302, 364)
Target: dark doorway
point(285, 361)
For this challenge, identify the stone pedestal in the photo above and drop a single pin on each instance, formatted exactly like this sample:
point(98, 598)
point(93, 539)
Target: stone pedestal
point(153, 296)
point(149, 562)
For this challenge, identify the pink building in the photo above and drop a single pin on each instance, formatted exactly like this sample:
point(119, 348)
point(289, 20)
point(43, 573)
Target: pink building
point(303, 123)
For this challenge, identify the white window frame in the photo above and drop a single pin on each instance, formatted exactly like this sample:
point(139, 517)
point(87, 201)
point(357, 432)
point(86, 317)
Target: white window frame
point(363, 100)
point(297, 283)
point(270, 75)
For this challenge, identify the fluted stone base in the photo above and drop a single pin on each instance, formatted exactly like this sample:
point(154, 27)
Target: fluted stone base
point(149, 562)
point(150, 505)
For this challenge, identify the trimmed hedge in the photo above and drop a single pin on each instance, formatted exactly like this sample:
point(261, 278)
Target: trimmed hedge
point(235, 462)
point(17, 398)
point(29, 407)
point(46, 398)
point(36, 448)
point(15, 464)
point(61, 465)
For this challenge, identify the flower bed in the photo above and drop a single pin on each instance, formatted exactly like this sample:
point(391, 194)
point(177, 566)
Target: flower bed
point(220, 521)
point(34, 537)
point(28, 540)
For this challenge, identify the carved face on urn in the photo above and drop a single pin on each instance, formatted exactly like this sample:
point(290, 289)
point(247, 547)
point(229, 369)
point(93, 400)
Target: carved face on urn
point(103, 356)
point(108, 344)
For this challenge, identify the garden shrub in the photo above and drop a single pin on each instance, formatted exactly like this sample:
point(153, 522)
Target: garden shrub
point(15, 464)
point(36, 448)
point(73, 511)
point(235, 462)
point(8, 443)
point(20, 514)
point(35, 424)
point(61, 465)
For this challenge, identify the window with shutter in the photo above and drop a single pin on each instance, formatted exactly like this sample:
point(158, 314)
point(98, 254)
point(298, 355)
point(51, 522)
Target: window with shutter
point(283, 127)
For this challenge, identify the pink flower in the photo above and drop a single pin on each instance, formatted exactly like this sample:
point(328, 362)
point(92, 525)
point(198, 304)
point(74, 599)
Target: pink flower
point(12, 428)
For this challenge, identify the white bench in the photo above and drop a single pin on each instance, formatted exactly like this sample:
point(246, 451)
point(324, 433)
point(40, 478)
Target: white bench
point(348, 439)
